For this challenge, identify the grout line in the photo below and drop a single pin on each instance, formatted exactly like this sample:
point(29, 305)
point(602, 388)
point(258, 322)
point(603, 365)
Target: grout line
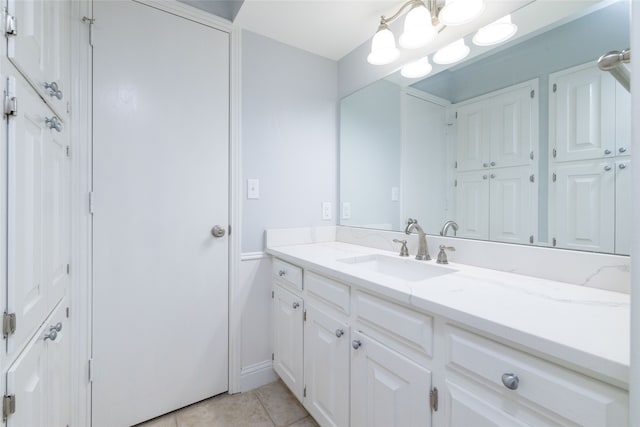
point(264, 407)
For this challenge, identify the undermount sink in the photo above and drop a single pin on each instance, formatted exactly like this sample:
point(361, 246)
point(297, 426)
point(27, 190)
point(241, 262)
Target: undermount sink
point(399, 268)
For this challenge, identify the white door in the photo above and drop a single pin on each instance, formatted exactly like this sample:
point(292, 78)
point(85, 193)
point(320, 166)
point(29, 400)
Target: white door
point(473, 148)
point(387, 389)
point(326, 368)
point(582, 113)
point(287, 339)
point(624, 219)
point(582, 201)
point(472, 204)
point(58, 409)
point(512, 209)
point(160, 184)
point(511, 128)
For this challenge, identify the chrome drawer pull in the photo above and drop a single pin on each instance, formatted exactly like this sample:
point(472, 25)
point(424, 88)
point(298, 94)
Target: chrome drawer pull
point(339, 333)
point(510, 381)
point(281, 273)
point(356, 344)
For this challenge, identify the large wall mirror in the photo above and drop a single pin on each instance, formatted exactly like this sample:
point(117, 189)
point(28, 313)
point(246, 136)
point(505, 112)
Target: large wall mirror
point(528, 143)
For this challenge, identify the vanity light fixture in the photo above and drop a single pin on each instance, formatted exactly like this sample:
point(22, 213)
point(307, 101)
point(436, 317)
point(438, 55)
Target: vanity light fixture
point(423, 22)
point(452, 53)
point(415, 69)
point(496, 32)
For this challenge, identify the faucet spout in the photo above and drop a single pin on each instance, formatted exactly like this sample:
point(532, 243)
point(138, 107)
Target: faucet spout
point(423, 250)
point(446, 226)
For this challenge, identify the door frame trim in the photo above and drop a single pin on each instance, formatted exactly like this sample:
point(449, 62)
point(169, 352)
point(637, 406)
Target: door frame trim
point(82, 183)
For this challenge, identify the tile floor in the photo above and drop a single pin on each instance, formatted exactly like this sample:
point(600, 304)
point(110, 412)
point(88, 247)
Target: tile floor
point(271, 405)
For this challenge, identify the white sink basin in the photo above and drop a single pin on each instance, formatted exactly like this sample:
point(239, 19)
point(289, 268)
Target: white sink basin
point(399, 268)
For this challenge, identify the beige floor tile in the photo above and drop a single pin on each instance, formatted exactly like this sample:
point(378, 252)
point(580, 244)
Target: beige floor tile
point(305, 422)
point(168, 420)
point(237, 410)
point(283, 408)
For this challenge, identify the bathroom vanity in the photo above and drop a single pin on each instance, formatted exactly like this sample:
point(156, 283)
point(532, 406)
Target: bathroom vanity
point(365, 337)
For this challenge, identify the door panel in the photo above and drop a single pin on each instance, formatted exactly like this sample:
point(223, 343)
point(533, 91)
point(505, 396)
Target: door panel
point(160, 291)
point(511, 129)
point(473, 147)
point(511, 207)
point(472, 204)
point(624, 219)
point(287, 339)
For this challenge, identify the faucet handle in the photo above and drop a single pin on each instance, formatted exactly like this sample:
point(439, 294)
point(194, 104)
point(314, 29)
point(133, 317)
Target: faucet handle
point(442, 255)
point(403, 250)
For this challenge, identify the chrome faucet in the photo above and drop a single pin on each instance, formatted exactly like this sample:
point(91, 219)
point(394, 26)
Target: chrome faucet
point(446, 226)
point(423, 251)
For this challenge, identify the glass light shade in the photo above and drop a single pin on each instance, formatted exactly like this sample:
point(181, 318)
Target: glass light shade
point(418, 30)
point(496, 32)
point(419, 68)
point(383, 47)
point(454, 52)
point(457, 12)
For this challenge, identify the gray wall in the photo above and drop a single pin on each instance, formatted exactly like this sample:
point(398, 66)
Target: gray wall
point(370, 154)
point(289, 137)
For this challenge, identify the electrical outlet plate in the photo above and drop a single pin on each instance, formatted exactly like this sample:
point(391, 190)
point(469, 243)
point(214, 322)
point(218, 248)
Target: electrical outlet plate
point(253, 189)
point(346, 210)
point(326, 211)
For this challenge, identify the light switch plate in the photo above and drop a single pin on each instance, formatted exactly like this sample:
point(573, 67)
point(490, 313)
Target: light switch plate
point(253, 188)
point(395, 194)
point(326, 210)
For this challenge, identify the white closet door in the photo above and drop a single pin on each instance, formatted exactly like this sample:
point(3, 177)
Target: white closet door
point(473, 148)
point(623, 121)
point(27, 48)
point(472, 204)
point(511, 128)
point(582, 206)
point(582, 113)
point(160, 184)
point(512, 210)
point(624, 219)
point(57, 377)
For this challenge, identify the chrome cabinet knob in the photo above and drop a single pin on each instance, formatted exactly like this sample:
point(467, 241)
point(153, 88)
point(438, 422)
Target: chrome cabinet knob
point(485, 165)
point(295, 305)
point(339, 333)
point(484, 177)
point(356, 344)
point(52, 335)
point(622, 165)
point(217, 231)
point(281, 273)
point(493, 163)
point(510, 381)
point(607, 168)
point(54, 90)
point(622, 150)
point(53, 123)
point(57, 327)
point(493, 175)
point(607, 152)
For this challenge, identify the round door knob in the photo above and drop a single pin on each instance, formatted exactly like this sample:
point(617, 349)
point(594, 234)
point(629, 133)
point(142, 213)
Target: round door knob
point(622, 165)
point(295, 305)
point(607, 168)
point(622, 150)
point(485, 165)
point(57, 327)
point(339, 333)
point(510, 381)
point(607, 152)
point(484, 176)
point(493, 175)
point(356, 344)
point(281, 273)
point(493, 163)
point(52, 335)
point(217, 231)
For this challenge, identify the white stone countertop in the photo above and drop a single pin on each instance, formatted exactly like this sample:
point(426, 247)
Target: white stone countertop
point(583, 328)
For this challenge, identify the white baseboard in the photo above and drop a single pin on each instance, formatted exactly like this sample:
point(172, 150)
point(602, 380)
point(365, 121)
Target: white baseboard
point(256, 375)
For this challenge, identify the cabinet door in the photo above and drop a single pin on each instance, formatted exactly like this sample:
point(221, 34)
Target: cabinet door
point(57, 53)
point(326, 368)
point(287, 339)
point(387, 389)
point(582, 113)
point(511, 128)
point(58, 368)
point(472, 204)
point(512, 208)
point(473, 144)
point(624, 220)
point(623, 121)
point(582, 206)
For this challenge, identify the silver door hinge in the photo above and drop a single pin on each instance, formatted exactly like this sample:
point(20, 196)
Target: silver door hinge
point(273, 356)
point(531, 155)
point(555, 88)
point(10, 25)
point(304, 316)
point(455, 165)
point(532, 178)
point(89, 21)
point(68, 312)
point(433, 399)
point(554, 177)
point(455, 182)
point(533, 93)
point(304, 391)
point(554, 242)
point(8, 324)
point(90, 370)
point(555, 153)
point(8, 406)
point(531, 239)
point(91, 203)
point(10, 106)
point(456, 114)
point(273, 294)
point(68, 269)
point(68, 151)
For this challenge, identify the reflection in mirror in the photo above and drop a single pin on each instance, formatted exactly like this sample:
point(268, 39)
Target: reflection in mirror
point(528, 143)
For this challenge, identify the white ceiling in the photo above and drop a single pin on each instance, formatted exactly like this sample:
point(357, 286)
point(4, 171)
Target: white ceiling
point(329, 28)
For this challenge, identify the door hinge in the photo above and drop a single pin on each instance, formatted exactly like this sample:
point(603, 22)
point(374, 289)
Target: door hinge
point(304, 316)
point(229, 230)
point(531, 239)
point(456, 114)
point(455, 182)
point(455, 165)
point(554, 177)
point(68, 312)
point(533, 93)
point(554, 242)
point(10, 106)
point(433, 399)
point(8, 324)
point(89, 21)
point(555, 88)
point(68, 151)
point(273, 294)
point(8, 406)
point(273, 356)
point(532, 178)
point(555, 153)
point(10, 25)
point(91, 203)
point(90, 370)
point(304, 391)
point(68, 269)
point(531, 155)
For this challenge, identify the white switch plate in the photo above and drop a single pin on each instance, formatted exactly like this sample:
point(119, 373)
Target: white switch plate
point(395, 194)
point(253, 188)
point(346, 210)
point(326, 210)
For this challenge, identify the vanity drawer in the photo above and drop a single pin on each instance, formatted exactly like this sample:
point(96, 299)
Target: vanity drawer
point(287, 273)
point(394, 324)
point(570, 395)
point(328, 291)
